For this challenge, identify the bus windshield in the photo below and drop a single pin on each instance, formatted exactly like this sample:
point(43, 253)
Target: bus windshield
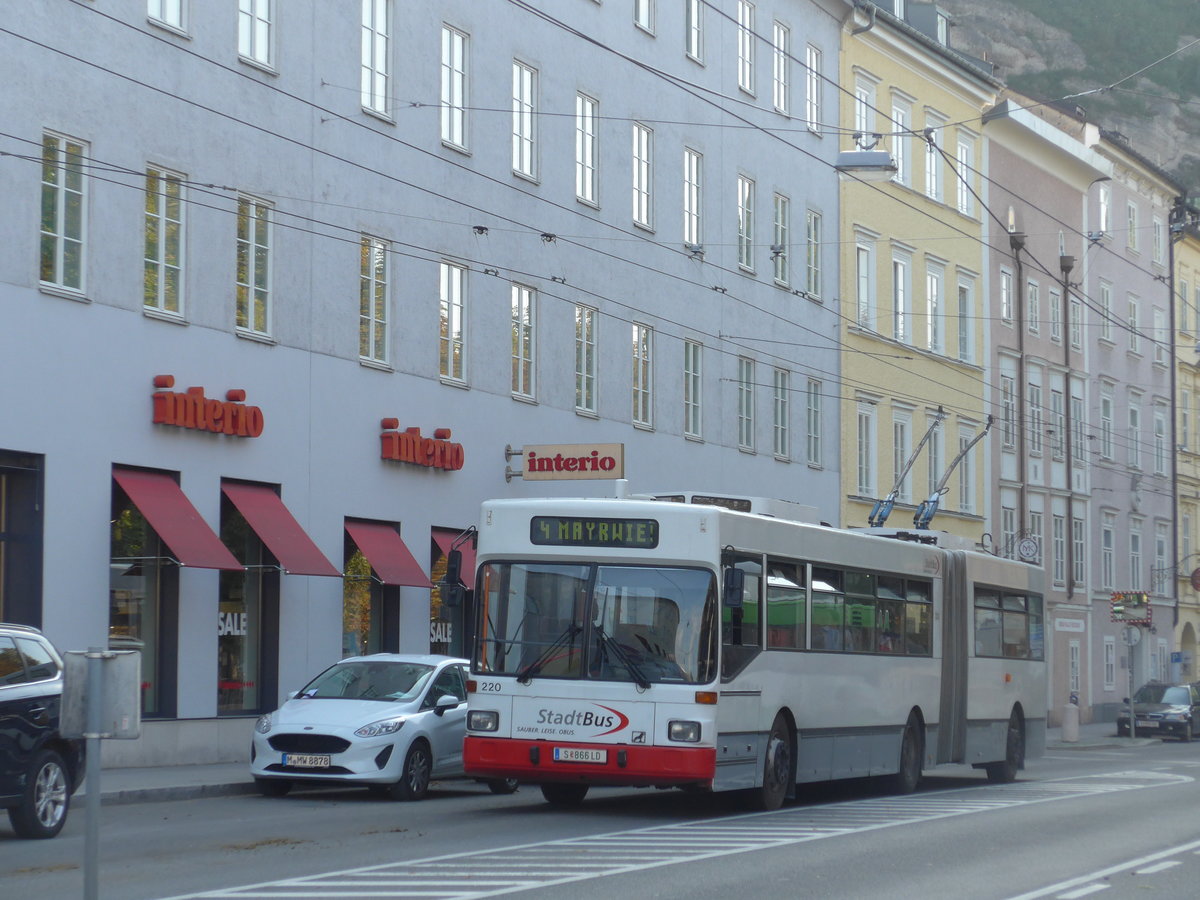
point(642, 624)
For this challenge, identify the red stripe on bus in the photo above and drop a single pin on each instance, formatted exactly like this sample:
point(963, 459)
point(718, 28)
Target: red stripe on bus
point(511, 758)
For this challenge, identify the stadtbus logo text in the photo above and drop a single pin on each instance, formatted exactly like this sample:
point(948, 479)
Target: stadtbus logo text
point(585, 718)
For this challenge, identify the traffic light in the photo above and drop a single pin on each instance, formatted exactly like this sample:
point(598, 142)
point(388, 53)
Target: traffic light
point(1131, 607)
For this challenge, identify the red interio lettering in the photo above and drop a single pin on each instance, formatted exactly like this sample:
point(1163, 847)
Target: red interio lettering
point(191, 409)
point(410, 446)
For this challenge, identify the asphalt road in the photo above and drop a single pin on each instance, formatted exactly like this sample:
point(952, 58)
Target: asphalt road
point(1117, 822)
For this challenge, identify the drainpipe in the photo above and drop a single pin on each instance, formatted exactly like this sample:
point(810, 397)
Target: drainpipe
point(1065, 265)
point(1016, 241)
point(869, 8)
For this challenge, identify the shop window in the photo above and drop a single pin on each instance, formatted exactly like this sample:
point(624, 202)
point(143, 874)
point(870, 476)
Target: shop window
point(247, 621)
point(370, 609)
point(143, 594)
point(21, 523)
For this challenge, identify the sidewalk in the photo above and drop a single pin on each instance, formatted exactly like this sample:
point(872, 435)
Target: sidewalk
point(141, 785)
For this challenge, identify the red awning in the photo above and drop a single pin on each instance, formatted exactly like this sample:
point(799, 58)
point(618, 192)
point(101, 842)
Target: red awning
point(176, 521)
point(381, 544)
point(467, 548)
point(271, 521)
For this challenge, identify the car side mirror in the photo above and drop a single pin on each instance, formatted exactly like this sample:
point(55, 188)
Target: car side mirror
point(445, 702)
point(1125, 701)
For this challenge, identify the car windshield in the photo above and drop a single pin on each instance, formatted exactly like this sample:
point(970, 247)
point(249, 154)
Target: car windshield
point(645, 624)
point(1172, 694)
point(368, 679)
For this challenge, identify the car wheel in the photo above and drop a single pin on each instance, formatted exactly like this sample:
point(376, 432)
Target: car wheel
point(42, 811)
point(273, 787)
point(564, 794)
point(503, 785)
point(414, 777)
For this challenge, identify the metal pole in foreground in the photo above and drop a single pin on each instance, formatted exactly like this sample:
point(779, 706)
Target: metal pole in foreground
point(95, 711)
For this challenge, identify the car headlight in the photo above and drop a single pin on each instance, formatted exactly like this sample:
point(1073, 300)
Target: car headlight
point(1175, 717)
point(377, 729)
point(680, 730)
point(483, 720)
point(263, 725)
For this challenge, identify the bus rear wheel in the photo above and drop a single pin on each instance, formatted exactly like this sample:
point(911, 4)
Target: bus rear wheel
point(908, 776)
point(563, 795)
point(777, 768)
point(1014, 754)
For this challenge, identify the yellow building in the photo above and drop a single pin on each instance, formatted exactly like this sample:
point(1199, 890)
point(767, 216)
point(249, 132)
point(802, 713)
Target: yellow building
point(912, 284)
point(1186, 252)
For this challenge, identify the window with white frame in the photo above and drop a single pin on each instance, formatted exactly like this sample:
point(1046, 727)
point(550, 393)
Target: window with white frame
point(693, 29)
point(1058, 548)
point(254, 30)
point(1079, 548)
point(902, 141)
point(64, 212)
point(812, 87)
point(1006, 295)
point(781, 409)
point(935, 455)
point(373, 299)
point(934, 312)
point(693, 374)
point(1078, 426)
point(1058, 420)
point(1185, 537)
point(1185, 308)
point(1104, 208)
point(1108, 546)
point(1131, 225)
point(1076, 323)
point(1185, 418)
point(587, 155)
point(523, 341)
point(1033, 307)
point(1054, 299)
point(1034, 393)
point(1134, 435)
point(933, 158)
point(966, 320)
point(1106, 422)
point(1008, 532)
point(1157, 238)
point(167, 12)
point(643, 375)
point(1073, 666)
point(745, 222)
point(454, 87)
point(376, 55)
point(865, 469)
point(692, 188)
point(643, 14)
point(1162, 575)
point(1008, 411)
point(1037, 531)
point(864, 280)
point(1132, 320)
point(812, 254)
point(966, 175)
point(162, 280)
point(524, 119)
point(745, 45)
point(1161, 659)
point(1160, 439)
point(1162, 336)
point(1110, 662)
point(585, 359)
point(812, 422)
point(643, 171)
point(966, 472)
point(901, 451)
point(1106, 311)
point(781, 68)
point(452, 336)
point(745, 403)
point(781, 239)
point(253, 271)
point(1136, 575)
point(901, 294)
point(864, 109)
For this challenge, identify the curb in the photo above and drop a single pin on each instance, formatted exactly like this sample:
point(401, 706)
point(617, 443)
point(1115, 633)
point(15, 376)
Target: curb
point(174, 792)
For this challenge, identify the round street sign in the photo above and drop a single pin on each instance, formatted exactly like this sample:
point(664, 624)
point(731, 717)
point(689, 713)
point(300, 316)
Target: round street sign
point(1131, 634)
point(1028, 548)
point(1196, 579)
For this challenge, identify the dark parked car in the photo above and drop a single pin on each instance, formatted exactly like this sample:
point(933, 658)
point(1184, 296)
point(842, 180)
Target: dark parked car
point(1163, 709)
point(39, 769)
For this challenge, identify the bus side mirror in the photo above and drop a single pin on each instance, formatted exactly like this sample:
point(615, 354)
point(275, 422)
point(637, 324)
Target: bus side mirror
point(451, 586)
point(452, 594)
point(735, 584)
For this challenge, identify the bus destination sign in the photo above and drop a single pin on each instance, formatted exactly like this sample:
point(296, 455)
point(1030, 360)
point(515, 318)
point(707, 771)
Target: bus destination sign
point(586, 531)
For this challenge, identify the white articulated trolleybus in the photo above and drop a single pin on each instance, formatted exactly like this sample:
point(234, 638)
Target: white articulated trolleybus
point(722, 644)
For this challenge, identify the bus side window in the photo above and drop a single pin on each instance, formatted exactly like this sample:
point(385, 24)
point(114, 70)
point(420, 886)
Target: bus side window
point(741, 626)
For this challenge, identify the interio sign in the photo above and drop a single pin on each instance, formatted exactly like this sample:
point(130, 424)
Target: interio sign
point(409, 446)
point(191, 409)
point(572, 462)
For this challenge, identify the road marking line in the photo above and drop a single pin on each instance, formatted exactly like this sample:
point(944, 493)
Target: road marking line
point(1083, 892)
point(1111, 870)
point(1158, 867)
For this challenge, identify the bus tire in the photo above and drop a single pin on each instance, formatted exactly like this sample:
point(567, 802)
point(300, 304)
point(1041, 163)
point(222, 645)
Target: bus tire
point(777, 767)
point(564, 795)
point(1014, 753)
point(908, 775)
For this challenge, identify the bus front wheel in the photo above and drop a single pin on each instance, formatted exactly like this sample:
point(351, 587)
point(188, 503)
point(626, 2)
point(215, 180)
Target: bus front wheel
point(777, 769)
point(908, 776)
point(564, 794)
point(1014, 753)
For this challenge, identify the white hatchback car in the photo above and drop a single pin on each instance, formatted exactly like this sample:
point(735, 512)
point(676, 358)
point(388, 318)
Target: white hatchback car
point(388, 721)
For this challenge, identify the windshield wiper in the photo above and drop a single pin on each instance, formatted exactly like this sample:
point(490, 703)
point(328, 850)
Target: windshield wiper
point(607, 643)
point(568, 636)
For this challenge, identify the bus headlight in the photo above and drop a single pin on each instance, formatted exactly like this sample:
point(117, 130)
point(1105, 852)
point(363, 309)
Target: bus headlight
point(679, 730)
point(483, 720)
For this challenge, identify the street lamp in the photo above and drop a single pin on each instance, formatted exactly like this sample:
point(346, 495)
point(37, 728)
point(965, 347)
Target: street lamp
point(865, 165)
